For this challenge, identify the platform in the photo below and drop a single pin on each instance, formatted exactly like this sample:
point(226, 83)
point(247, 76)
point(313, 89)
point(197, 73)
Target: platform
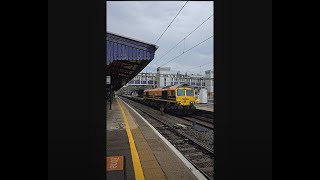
point(147, 156)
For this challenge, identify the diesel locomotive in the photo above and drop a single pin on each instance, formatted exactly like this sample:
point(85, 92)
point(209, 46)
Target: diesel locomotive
point(177, 99)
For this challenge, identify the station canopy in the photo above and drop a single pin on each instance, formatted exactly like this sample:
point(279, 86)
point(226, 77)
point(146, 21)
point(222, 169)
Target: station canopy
point(126, 57)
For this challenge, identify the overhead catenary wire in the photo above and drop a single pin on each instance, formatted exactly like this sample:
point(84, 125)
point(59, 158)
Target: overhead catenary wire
point(171, 22)
point(187, 51)
point(199, 66)
point(182, 40)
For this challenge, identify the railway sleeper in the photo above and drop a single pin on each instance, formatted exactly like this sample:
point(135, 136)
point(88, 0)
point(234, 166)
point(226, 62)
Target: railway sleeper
point(203, 160)
point(202, 165)
point(173, 138)
point(184, 145)
point(179, 141)
point(190, 158)
point(186, 149)
point(194, 154)
point(189, 151)
point(207, 169)
point(159, 127)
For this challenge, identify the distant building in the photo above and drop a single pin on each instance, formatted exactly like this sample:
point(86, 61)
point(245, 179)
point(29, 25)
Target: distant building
point(163, 77)
point(144, 79)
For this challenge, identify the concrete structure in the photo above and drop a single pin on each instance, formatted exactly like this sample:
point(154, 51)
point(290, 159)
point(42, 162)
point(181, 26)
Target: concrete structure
point(209, 84)
point(203, 95)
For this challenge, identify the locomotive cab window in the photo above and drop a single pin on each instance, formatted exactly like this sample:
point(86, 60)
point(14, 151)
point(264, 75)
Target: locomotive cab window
point(180, 92)
point(189, 92)
point(172, 94)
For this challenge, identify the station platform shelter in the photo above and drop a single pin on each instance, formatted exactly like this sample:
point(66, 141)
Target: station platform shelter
point(126, 57)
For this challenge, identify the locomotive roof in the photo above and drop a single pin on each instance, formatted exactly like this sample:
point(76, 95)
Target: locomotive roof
point(169, 87)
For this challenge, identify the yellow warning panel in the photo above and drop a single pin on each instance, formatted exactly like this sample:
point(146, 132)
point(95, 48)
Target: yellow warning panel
point(114, 163)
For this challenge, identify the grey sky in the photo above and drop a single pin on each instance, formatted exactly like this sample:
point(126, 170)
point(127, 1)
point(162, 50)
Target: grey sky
point(146, 21)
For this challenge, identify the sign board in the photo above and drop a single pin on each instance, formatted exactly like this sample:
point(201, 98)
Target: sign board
point(114, 163)
point(108, 80)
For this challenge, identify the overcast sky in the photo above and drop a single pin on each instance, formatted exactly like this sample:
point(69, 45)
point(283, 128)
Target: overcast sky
point(146, 21)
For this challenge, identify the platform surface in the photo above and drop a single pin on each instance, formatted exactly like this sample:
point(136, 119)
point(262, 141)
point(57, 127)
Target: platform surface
point(118, 143)
point(157, 160)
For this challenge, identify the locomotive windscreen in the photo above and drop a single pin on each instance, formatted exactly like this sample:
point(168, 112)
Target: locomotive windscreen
point(190, 93)
point(180, 92)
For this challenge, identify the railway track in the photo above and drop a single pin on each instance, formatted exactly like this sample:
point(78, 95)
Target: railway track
point(203, 118)
point(200, 117)
point(204, 113)
point(198, 153)
point(201, 122)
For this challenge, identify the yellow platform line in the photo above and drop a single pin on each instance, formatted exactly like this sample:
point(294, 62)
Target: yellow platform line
point(134, 153)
